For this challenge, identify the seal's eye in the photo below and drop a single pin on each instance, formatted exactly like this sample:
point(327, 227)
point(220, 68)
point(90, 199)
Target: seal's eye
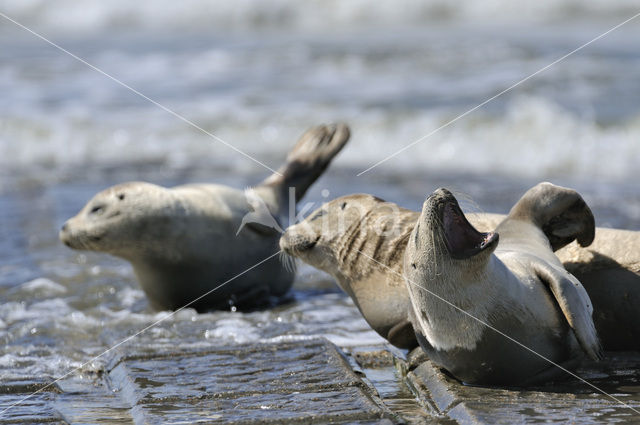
point(98, 209)
point(343, 206)
point(317, 215)
point(121, 196)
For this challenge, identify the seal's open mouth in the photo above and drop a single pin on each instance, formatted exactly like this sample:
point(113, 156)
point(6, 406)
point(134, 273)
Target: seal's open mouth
point(462, 239)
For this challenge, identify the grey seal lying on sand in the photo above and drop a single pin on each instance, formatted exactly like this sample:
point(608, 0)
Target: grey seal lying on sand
point(361, 240)
point(187, 240)
point(469, 289)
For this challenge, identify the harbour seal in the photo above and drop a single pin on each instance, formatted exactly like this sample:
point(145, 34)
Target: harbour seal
point(360, 240)
point(609, 270)
point(343, 236)
point(187, 240)
point(468, 290)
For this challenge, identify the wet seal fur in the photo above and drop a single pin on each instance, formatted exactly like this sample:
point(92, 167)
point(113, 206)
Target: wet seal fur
point(331, 236)
point(187, 240)
point(508, 280)
point(342, 236)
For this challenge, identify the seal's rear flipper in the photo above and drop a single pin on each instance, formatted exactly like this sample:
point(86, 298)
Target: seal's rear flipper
point(560, 212)
point(309, 158)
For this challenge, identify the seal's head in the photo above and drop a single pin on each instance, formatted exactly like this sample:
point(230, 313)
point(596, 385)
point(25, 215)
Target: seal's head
point(111, 221)
point(321, 239)
point(443, 236)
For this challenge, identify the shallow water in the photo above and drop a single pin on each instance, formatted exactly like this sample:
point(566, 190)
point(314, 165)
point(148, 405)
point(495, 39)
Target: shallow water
point(61, 307)
point(257, 81)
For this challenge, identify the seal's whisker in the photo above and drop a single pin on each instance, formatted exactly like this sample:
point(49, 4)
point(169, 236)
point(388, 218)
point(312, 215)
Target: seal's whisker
point(434, 259)
point(433, 270)
point(433, 248)
point(438, 242)
point(436, 238)
point(431, 263)
point(288, 262)
point(441, 243)
point(468, 202)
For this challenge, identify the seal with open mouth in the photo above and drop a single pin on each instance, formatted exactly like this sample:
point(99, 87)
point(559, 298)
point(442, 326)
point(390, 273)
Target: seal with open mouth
point(360, 240)
point(469, 289)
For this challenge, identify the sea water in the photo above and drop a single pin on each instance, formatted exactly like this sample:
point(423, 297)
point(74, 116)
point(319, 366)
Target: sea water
point(256, 75)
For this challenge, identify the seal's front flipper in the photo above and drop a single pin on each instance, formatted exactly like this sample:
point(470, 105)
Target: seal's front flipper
point(575, 304)
point(309, 158)
point(254, 297)
point(560, 212)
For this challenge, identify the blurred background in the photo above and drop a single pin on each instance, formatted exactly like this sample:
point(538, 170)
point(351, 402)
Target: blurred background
point(257, 74)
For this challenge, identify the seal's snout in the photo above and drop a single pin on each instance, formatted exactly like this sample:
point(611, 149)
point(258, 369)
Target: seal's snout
point(438, 198)
point(288, 241)
point(293, 242)
point(285, 242)
point(65, 234)
point(443, 193)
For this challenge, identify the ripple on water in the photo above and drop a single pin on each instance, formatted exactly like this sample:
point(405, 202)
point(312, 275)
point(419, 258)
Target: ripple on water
point(43, 287)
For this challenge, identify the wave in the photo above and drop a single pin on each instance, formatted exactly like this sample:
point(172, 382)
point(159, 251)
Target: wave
point(533, 137)
point(194, 15)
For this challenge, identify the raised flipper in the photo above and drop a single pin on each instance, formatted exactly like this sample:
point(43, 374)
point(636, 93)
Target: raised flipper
point(309, 158)
point(574, 303)
point(560, 212)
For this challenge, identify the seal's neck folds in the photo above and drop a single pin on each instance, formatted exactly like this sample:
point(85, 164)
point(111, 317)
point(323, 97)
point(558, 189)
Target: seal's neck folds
point(445, 259)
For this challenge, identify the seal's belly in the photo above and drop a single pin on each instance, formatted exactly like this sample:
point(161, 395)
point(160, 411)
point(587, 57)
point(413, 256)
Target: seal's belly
point(498, 360)
point(215, 281)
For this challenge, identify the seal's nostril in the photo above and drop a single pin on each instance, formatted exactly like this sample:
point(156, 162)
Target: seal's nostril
point(64, 227)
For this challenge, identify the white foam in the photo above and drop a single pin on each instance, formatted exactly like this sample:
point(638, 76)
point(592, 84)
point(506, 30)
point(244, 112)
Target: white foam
point(366, 337)
point(7, 360)
point(129, 296)
point(44, 286)
point(534, 138)
point(233, 329)
point(80, 320)
point(36, 313)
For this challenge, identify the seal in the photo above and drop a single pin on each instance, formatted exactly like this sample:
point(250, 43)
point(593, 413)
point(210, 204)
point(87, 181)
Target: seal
point(188, 240)
point(468, 291)
point(360, 240)
point(610, 272)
